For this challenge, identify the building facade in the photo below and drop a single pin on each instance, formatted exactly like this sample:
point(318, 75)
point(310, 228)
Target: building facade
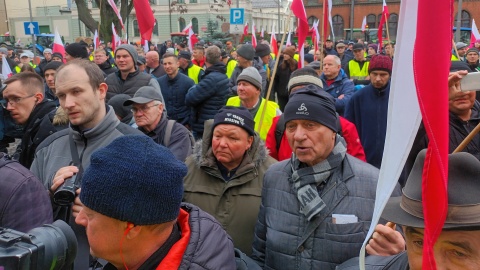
point(63, 16)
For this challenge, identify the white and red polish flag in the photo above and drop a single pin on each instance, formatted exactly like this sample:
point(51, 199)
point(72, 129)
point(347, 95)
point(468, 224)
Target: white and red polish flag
point(298, 10)
point(273, 42)
point(117, 12)
point(315, 37)
point(58, 45)
point(364, 24)
point(116, 41)
point(475, 35)
point(383, 20)
point(96, 40)
point(6, 70)
point(192, 38)
point(254, 37)
point(262, 33)
point(289, 40)
point(245, 29)
point(407, 107)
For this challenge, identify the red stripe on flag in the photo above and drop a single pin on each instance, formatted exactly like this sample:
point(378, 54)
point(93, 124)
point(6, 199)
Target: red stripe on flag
point(145, 18)
point(302, 27)
point(432, 73)
point(325, 21)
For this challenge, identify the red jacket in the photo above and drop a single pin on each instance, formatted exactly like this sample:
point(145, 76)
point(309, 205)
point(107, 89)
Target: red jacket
point(349, 132)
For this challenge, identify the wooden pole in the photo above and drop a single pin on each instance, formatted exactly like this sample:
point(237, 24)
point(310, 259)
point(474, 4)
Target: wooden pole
point(455, 48)
point(468, 139)
point(322, 36)
point(267, 97)
point(388, 31)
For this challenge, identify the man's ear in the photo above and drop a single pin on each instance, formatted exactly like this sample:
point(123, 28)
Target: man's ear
point(102, 88)
point(38, 97)
point(132, 231)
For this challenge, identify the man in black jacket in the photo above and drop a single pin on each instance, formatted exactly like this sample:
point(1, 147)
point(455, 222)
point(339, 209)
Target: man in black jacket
point(100, 58)
point(25, 101)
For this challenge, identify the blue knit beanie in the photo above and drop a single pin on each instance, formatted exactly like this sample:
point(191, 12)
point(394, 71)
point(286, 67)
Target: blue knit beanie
point(134, 179)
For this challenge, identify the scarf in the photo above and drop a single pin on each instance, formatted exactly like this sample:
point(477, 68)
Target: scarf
point(307, 179)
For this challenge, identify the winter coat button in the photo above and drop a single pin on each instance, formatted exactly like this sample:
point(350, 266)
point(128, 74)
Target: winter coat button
point(301, 249)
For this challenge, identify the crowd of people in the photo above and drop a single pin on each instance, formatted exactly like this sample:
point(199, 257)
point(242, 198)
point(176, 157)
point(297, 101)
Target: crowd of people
point(185, 160)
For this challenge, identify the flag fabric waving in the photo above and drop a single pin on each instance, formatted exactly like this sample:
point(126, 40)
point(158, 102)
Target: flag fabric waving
point(289, 41)
point(117, 12)
point(330, 17)
point(6, 70)
point(261, 33)
point(58, 45)
point(364, 24)
point(315, 38)
point(302, 27)
point(411, 88)
point(325, 21)
point(273, 42)
point(245, 29)
point(145, 18)
point(254, 37)
point(192, 38)
point(475, 35)
point(96, 40)
point(383, 20)
point(115, 38)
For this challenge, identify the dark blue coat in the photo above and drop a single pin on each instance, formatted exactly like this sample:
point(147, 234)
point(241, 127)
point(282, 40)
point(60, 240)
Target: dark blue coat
point(341, 86)
point(207, 97)
point(174, 92)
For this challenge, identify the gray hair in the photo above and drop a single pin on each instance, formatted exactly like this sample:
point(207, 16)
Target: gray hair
point(336, 59)
point(212, 55)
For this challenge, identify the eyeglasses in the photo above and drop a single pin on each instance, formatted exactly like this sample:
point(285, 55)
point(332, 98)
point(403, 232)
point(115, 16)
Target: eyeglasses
point(143, 109)
point(14, 101)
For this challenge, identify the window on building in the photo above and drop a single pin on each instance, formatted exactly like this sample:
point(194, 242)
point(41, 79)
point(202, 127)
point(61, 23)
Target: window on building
point(392, 25)
point(465, 19)
point(136, 30)
point(152, 2)
point(181, 1)
point(311, 20)
point(94, 4)
point(372, 21)
point(155, 28)
point(194, 25)
point(181, 23)
point(193, 1)
point(337, 22)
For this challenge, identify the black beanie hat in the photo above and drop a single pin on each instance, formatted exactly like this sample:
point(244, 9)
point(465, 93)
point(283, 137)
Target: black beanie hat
point(261, 50)
point(122, 111)
point(459, 65)
point(313, 105)
point(52, 65)
point(246, 51)
point(59, 55)
point(238, 116)
point(133, 187)
point(77, 50)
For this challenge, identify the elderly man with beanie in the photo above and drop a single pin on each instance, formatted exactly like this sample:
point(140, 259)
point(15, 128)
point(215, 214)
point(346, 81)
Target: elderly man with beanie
point(458, 243)
point(76, 50)
point(277, 142)
point(344, 56)
point(194, 72)
point(316, 206)
point(134, 215)
point(208, 96)
point(249, 84)
point(462, 50)
point(286, 66)
point(128, 78)
point(245, 59)
point(225, 173)
point(368, 109)
point(471, 58)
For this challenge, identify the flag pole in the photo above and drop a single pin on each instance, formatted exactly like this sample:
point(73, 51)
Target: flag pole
point(388, 32)
point(455, 48)
point(468, 139)
point(267, 97)
point(323, 37)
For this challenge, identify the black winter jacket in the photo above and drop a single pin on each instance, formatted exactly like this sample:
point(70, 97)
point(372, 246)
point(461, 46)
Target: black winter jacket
point(207, 97)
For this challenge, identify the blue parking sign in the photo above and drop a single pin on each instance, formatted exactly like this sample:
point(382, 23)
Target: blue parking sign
point(237, 15)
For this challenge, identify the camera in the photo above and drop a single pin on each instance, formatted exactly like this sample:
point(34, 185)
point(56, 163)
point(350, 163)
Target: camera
point(65, 194)
point(51, 246)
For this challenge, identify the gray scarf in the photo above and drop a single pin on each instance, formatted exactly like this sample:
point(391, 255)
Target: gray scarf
point(307, 179)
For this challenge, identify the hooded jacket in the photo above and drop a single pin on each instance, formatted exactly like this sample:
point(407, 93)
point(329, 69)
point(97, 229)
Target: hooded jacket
point(233, 203)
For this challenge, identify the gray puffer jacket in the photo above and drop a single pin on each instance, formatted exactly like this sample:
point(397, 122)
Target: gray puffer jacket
point(285, 239)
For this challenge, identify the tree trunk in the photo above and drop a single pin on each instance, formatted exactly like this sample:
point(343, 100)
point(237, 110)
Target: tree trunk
point(107, 16)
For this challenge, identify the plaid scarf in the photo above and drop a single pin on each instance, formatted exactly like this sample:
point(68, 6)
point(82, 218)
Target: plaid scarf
point(307, 179)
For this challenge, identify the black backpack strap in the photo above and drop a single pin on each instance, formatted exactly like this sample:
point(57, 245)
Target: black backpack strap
point(279, 130)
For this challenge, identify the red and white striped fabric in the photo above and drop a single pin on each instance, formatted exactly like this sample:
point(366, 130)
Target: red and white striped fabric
point(414, 75)
point(117, 12)
point(192, 38)
point(383, 20)
point(6, 70)
point(273, 41)
point(298, 10)
point(254, 37)
point(364, 24)
point(58, 45)
point(475, 35)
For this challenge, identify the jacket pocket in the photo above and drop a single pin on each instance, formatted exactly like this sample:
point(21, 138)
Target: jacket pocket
point(345, 233)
